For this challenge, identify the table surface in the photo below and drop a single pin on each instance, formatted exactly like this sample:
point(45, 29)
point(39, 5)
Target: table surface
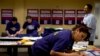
point(17, 38)
point(15, 44)
point(13, 41)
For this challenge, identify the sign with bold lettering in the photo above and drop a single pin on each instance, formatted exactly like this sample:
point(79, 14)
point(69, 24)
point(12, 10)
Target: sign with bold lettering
point(57, 16)
point(69, 17)
point(80, 16)
point(45, 16)
point(34, 13)
point(6, 15)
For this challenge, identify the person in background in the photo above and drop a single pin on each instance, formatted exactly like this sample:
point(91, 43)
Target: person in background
point(90, 21)
point(58, 43)
point(30, 26)
point(33, 28)
point(12, 27)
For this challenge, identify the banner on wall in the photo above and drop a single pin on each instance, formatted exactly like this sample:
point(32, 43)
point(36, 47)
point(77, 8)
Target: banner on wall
point(6, 15)
point(57, 16)
point(69, 17)
point(80, 16)
point(45, 16)
point(34, 13)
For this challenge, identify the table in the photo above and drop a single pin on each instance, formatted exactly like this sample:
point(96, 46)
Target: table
point(12, 42)
point(18, 38)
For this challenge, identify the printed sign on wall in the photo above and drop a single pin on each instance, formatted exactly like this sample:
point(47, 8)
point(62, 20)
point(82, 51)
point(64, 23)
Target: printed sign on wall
point(6, 15)
point(45, 16)
point(69, 17)
point(57, 16)
point(34, 13)
point(80, 16)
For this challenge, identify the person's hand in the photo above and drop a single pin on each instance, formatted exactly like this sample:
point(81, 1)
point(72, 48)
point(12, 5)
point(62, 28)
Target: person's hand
point(12, 35)
point(97, 49)
point(19, 32)
point(75, 54)
point(9, 35)
point(82, 54)
point(79, 54)
point(41, 29)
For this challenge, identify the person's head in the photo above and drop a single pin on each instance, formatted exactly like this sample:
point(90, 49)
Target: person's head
point(29, 19)
point(14, 20)
point(80, 32)
point(88, 8)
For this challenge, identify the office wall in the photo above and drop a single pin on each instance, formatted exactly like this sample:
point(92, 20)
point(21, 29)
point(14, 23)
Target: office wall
point(5, 5)
point(56, 3)
point(20, 7)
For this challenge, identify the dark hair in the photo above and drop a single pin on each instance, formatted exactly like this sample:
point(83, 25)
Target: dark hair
point(14, 19)
point(89, 6)
point(82, 28)
point(78, 26)
point(28, 17)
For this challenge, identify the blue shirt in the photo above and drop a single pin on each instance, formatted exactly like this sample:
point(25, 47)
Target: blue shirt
point(59, 41)
point(43, 34)
point(35, 33)
point(12, 28)
point(30, 27)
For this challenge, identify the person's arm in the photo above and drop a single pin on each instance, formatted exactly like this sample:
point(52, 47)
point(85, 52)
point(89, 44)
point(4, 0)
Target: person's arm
point(22, 29)
point(54, 53)
point(7, 29)
point(7, 32)
point(40, 30)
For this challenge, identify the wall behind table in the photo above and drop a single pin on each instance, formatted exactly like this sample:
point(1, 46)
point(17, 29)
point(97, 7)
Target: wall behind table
point(5, 4)
point(20, 7)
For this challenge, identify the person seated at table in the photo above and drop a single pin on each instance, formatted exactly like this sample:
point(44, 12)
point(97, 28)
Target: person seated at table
point(12, 27)
point(58, 43)
point(30, 26)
